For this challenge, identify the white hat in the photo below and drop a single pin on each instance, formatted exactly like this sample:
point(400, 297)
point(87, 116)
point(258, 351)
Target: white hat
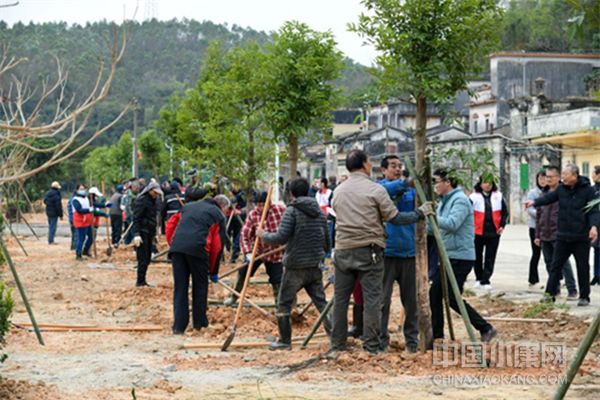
point(55, 185)
point(95, 191)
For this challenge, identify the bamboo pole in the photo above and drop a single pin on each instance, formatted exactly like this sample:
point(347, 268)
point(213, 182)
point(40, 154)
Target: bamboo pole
point(21, 290)
point(444, 258)
point(245, 264)
point(17, 239)
point(76, 328)
point(578, 358)
point(316, 325)
point(264, 312)
point(240, 345)
point(510, 319)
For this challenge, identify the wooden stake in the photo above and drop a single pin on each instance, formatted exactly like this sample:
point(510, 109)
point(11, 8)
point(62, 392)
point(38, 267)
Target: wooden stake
point(267, 314)
point(317, 323)
point(17, 239)
point(191, 346)
point(21, 290)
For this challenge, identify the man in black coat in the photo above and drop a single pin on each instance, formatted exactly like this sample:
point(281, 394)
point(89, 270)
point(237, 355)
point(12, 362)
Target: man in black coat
point(196, 235)
point(304, 228)
point(54, 210)
point(144, 228)
point(576, 230)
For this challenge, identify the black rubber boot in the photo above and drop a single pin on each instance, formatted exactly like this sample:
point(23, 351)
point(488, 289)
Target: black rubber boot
point(285, 334)
point(357, 321)
point(239, 285)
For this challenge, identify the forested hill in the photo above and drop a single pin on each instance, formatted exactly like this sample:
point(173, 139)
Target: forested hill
point(162, 58)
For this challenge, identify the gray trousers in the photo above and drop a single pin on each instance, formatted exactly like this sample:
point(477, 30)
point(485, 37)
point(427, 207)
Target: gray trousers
point(567, 272)
point(364, 264)
point(403, 271)
point(309, 279)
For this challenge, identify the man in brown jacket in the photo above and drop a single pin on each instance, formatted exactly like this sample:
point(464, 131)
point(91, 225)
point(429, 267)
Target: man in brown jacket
point(546, 225)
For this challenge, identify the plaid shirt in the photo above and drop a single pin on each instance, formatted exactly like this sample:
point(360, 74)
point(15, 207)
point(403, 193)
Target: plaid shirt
point(271, 224)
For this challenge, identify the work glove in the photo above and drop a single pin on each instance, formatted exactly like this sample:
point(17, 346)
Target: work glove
point(248, 258)
point(426, 209)
point(214, 278)
point(137, 241)
point(331, 278)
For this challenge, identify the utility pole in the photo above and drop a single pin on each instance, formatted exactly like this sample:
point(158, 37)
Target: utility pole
point(134, 164)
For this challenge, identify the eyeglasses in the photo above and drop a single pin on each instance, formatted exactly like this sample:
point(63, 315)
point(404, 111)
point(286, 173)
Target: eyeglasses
point(551, 176)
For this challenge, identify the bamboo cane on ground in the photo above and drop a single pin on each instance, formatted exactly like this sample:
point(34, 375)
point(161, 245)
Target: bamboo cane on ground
point(444, 258)
point(267, 314)
point(247, 278)
point(21, 290)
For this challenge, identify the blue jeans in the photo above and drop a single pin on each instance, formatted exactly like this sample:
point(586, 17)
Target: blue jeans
point(52, 223)
point(84, 235)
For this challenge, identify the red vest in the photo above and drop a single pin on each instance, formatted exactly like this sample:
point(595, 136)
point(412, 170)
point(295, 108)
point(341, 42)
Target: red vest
point(479, 210)
point(81, 220)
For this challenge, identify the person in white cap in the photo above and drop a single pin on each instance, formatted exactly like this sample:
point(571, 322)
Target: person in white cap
point(144, 228)
point(54, 210)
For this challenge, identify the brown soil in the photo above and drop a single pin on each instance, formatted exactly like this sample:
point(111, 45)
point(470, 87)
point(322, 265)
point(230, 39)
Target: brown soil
point(101, 365)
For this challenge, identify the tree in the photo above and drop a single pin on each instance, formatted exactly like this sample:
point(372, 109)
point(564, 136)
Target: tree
point(428, 49)
point(109, 163)
point(47, 119)
point(302, 65)
point(154, 154)
point(223, 116)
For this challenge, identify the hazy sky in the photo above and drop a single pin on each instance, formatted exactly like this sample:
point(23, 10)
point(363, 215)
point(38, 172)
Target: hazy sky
point(266, 15)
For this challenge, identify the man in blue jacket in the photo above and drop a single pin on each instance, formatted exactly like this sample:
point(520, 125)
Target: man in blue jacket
point(399, 256)
point(455, 219)
point(54, 210)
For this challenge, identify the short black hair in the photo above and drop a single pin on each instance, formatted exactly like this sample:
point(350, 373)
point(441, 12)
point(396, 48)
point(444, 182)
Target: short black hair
point(486, 179)
point(553, 168)
point(299, 187)
point(324, 182)
point(444, 174)
point(260, 196)
point(597, 169)
point(386, 160)
point(537, 177)
point(355, 160)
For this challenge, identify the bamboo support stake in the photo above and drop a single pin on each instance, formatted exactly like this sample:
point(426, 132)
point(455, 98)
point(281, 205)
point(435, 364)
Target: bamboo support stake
point(578, 358)
point(245, 264)
point(511, 319)
point(17, 239)
point(321, 318)
point(449, 271)
point(76, 328)
point(21, 290)
point(240, 345)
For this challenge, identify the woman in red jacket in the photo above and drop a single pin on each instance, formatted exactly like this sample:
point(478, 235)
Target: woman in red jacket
point(490, 215)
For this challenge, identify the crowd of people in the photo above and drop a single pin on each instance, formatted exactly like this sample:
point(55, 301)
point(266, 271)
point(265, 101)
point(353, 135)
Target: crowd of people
point(367, 227)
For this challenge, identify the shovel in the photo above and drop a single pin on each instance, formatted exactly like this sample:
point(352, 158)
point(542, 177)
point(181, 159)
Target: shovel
point(247, 279)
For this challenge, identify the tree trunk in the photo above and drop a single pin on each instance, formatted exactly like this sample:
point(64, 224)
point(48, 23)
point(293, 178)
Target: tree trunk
point(293, 156)
point(251, 177)
point(421, 237)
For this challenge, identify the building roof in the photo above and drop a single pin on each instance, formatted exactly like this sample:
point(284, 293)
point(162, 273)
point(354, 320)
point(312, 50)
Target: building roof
point(543, 55)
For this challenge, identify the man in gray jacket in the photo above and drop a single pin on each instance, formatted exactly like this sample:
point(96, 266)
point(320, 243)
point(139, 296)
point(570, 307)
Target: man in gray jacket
point(304, 228)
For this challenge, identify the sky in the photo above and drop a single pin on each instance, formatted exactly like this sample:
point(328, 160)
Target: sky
point(265, 15)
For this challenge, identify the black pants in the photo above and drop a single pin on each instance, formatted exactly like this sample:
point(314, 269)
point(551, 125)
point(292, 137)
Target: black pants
point(403, 271)
point(144, 253)
point(461, 269)
point(184, 267)
point(567, 271)
point(116, 226)
point(274, 270)
point(535, 258)
point(484, 266)
point(562, 252)
point(309, 279)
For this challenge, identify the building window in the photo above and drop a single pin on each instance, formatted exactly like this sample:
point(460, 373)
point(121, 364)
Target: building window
point(475, 127)
point(487, 124)
point(585, 169)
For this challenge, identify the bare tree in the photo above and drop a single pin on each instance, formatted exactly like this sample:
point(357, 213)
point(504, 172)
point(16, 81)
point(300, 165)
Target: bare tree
point(25, 128)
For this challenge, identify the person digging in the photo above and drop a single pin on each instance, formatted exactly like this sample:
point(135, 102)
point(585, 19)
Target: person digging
point(272, 262)
point(303, 229)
